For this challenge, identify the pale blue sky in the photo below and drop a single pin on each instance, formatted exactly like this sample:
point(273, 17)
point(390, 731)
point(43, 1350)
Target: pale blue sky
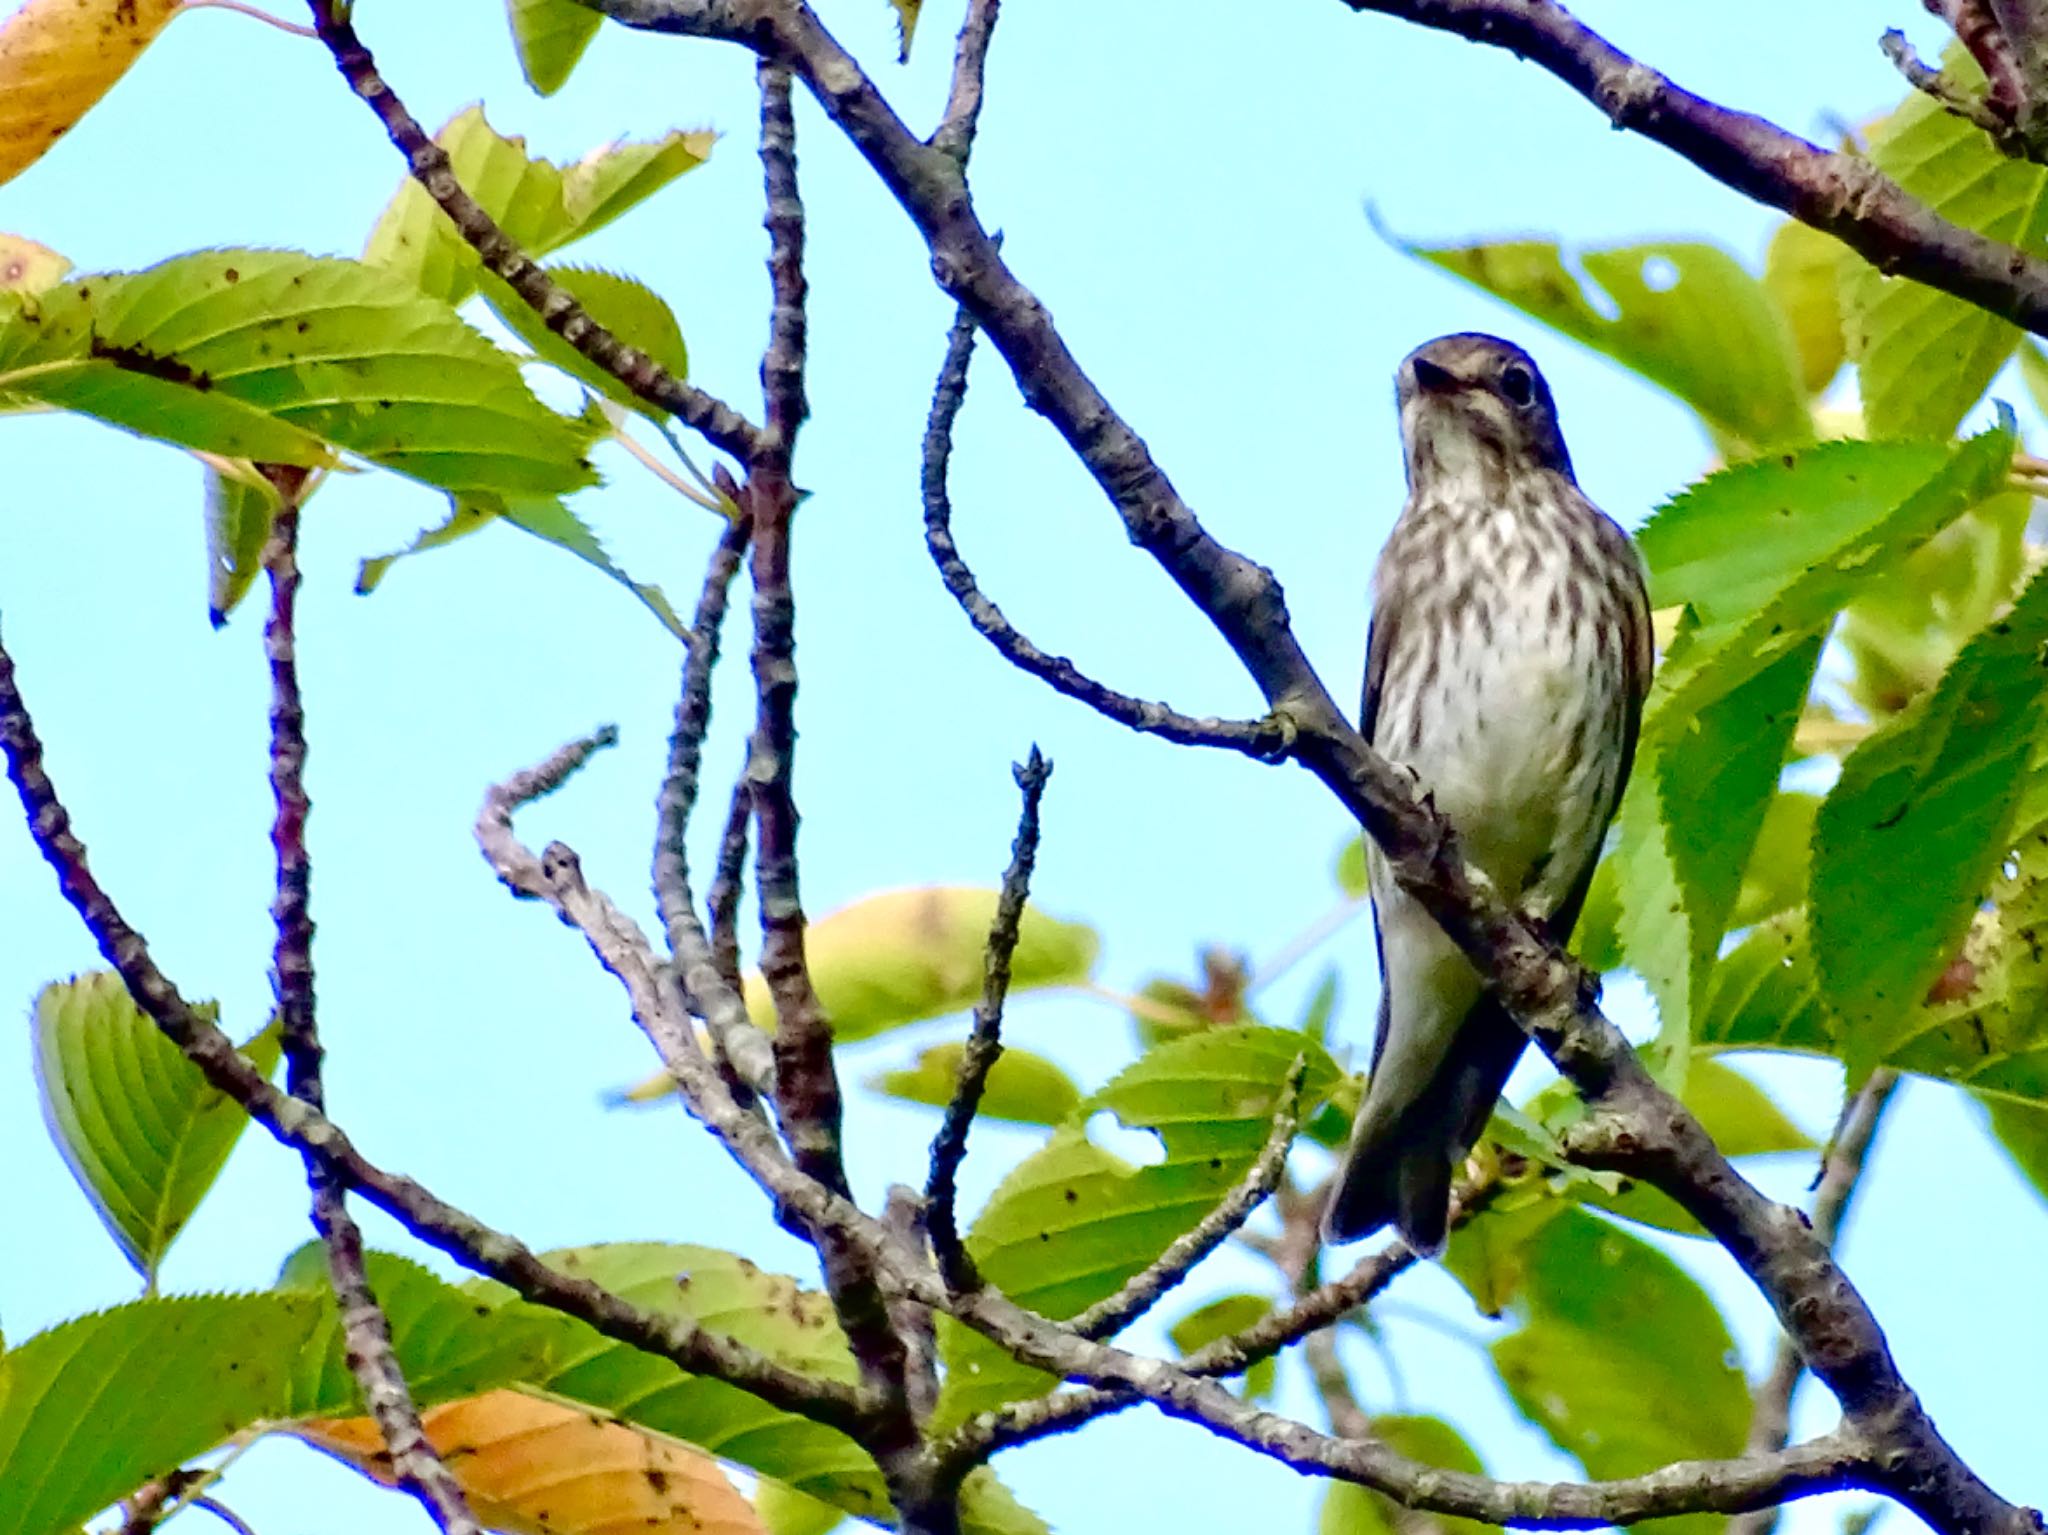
point(1196, 223)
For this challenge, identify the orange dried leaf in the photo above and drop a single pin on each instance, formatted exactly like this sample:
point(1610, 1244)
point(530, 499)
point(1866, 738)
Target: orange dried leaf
point(59, 57)
point(536, 1467)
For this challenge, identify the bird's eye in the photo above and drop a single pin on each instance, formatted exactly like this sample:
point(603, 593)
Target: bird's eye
point(1518, 384)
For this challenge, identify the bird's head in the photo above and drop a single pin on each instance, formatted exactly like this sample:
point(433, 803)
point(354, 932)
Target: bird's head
point(1474, 407)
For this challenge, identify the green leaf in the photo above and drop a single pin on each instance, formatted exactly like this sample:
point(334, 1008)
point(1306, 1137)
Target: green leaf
point(987, 1507)
point(1924, 358)
point(612, 180)
point(99, 1406)
point(550, 36)
point(1023, 1088)
point(1073, 1220)
point(1734, 1111)
point(1221, 1318)
point(1775, 879)
point(239, 509)
point(1991, 1035)
point(1703, 784)
point(1740, 1115)
point(2022, 1129)
point(1486, 1253)
point(1349, 1509)
point(1353, 875)
point(313, 351)
point(630, 310)
point(1802, 272)
point(448, 1346)
point(143, 1133)
point(1906, 627)
point(1936, 791)
point(1685, 316)
point(1621, 1358)
point(907, 955)
point(734, 1297)
point(547, 518)
point(541, 206)
point(1765, 554)
point(785, 1511)
point(53, 354)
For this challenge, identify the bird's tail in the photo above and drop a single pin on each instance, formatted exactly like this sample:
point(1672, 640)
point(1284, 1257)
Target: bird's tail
point(1398, 1167)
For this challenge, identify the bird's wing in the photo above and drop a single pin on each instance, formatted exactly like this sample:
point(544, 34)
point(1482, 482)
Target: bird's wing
point(1379, 642)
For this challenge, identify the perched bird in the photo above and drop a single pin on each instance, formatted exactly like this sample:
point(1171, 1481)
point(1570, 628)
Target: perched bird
point(1506, 666)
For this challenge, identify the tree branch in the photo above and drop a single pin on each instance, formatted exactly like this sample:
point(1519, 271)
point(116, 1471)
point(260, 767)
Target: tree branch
point(428, 164)
point(1841, 1173)
point(370, 1354)
point(954, 135)
point(1826, 1464)
point(304, 1129)
point(1836, 192)
point(1266, 739)
point(985, 1040)
point(808, 1100)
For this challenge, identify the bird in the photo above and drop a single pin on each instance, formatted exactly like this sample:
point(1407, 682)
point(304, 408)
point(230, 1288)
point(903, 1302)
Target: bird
point(1506, 663)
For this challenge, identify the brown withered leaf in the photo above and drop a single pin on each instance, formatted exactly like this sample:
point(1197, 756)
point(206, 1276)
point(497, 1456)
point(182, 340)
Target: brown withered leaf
point(535, 1467)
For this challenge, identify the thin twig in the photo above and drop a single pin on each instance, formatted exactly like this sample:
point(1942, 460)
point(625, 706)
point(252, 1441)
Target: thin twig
point(428, 163)
point(1264, 739)
point(782, 362)
point(1144, 1289)
point(740, 1046)
point(954, 135)
point(415, 1465)
point(1931, 82)
point(1348, 1420)
point(985, 1039)
point(1841, 1174)
point(722, 900)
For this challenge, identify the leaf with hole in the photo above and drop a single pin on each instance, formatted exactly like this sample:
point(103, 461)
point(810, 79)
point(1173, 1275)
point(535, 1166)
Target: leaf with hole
point(1686, 316)
point(1075, 1219)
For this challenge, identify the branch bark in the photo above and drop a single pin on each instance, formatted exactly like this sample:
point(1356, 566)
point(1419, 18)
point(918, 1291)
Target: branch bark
point(371, 1355)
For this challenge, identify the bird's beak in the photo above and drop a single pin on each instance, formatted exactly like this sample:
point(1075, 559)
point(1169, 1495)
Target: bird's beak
point(1433, 379)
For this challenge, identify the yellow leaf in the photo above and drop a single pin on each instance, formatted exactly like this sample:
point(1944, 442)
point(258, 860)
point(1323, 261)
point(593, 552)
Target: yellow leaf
point(906, 24)
point(26, 267)
point(903, 956)
point(534, 1467)
point(57, 58)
